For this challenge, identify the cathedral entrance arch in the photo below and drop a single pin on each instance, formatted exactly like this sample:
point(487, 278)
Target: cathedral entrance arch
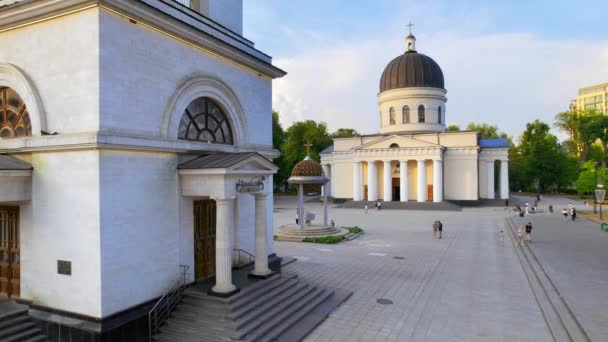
point(10, 284)
point(204, 238)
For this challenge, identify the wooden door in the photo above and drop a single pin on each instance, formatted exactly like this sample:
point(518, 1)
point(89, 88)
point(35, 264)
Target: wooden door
point(9, 252)
point(204, 238)
point(365, 193)
point(429, 189)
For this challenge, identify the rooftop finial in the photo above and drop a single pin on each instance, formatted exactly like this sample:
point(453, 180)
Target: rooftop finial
point(308, 145)
point(410, 26)
point(410, 40)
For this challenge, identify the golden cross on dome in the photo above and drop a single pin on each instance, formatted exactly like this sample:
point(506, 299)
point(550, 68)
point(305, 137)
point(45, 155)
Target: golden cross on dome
point(308, 145)
point(410, 26)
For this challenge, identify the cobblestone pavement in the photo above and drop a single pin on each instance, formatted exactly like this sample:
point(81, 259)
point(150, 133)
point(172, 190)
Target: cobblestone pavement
point(575, 256)
point(465, 287)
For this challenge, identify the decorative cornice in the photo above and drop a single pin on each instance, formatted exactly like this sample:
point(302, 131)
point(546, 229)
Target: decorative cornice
point(156, 15)
point(118, 141)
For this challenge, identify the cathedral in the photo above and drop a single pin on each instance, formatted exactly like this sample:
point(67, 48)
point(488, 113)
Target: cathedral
point(413, 157)
point(135, 152)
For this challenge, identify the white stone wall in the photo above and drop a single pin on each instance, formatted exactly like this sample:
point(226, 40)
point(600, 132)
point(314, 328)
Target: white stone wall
point(229, 13)
point(460, 177)
point(141, 69)
point(430, 98)
point(139, 231)
point(62, 222)
point(61, 58)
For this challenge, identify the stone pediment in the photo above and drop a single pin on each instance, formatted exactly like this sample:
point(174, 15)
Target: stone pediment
point(401, 141)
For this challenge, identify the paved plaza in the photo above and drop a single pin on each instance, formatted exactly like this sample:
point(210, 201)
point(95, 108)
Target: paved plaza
point(466, 287)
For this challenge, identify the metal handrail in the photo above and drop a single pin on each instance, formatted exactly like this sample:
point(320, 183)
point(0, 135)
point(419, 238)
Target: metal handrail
point(167, 302)
point(250, 257)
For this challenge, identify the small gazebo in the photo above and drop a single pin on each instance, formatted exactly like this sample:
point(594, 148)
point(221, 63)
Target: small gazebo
point(308, 175)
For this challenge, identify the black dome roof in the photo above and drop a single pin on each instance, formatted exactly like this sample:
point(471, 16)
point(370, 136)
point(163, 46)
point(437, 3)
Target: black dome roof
point(412, 69)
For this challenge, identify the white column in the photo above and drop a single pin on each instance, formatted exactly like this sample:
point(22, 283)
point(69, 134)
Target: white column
point(235, 234)
point(223, 249)
point(357, 181)
point(324, 189)
point(325, 204)
point(301, 205)
point(437, 181)
point(490, 166)
point(422, 189)
point(504, 179)
point(372, 181)
point(403, 183)
point(261, 236)
point(388, 182)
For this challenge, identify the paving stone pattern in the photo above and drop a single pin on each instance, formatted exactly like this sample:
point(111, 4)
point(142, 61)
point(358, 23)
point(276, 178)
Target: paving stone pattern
point(464, 287)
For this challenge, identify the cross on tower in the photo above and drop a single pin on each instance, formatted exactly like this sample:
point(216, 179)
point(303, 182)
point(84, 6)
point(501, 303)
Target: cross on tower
point(410, 26)
point(308, 145)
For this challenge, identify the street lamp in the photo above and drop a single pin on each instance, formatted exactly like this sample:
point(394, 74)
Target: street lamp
point(600, 192)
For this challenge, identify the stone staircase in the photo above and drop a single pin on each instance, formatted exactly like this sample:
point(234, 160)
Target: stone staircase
point(411, 205)
point(281, 308)
point(16, 325)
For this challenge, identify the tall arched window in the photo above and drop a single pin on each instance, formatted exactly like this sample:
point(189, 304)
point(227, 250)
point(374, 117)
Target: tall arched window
point(405, 113)
point(421, 113)
point(391, 116)
point(204, 120)
point(14, 118)
point(439, 114)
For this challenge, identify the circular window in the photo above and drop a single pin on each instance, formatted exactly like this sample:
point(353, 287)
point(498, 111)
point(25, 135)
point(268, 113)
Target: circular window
point(14, 117)
point(204, 120)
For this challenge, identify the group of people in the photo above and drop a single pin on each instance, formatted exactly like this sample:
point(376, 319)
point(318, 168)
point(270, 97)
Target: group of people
point(570, 211)
point(378, 206)
point(437, 229)
point(524, 234)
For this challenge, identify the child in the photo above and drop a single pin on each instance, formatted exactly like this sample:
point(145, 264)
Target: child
point(565, 213)
point(435, 226)
point(366, 208)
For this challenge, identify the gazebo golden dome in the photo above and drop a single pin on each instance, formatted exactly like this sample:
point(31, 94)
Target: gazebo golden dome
point(307, 168)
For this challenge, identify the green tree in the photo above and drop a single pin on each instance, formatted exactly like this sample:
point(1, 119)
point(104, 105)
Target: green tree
point(278, 140)
point(540, 156)
point(583, 127)
point(591, 175)
point(297, 134)
point(487, 131)
point(453, 128)
point(345, 133)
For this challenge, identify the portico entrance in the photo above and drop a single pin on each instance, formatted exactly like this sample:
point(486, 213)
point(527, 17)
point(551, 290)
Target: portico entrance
point(204, 238)
point(9, 252)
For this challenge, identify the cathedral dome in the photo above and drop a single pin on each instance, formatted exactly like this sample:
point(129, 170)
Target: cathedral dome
point(412, 69)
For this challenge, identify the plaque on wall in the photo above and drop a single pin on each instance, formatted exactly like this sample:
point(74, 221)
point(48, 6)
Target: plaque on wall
point(64, 267)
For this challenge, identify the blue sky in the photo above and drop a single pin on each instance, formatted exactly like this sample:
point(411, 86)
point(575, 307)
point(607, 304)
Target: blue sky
point(505, 62)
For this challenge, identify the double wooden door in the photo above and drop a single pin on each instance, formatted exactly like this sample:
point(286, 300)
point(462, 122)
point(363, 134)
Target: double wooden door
point(9, 252)
point(204, 238)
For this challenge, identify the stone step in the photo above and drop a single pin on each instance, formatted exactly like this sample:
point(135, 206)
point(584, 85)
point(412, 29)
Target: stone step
point(15, 329)
point(13, 320)
point(215, 307)
point(241, 310)
point(198, 328)
point(200, 315)
point(23, 335)
point(274, 328)
point(39, 338)
point(170, 334)
point(276, 308)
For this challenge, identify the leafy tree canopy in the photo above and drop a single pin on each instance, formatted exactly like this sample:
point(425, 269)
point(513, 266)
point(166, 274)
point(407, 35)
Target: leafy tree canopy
point(487, 131)
point(345, 133)
point(453, 128)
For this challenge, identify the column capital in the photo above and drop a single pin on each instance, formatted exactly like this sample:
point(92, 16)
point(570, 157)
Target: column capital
point(261, 194)
point(223, 200)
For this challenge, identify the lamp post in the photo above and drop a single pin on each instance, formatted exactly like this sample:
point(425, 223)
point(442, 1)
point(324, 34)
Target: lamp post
point(600, 192)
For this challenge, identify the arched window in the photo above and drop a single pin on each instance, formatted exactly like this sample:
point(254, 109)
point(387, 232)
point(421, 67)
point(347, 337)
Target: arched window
point(405, 113)
point(391, 114)
point(393, 145)
point(14, 118)
point(439, 114)
point(204, 120)
point(421, 113)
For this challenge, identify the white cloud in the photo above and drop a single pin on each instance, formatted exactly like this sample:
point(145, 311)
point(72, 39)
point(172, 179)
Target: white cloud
point(502, 79)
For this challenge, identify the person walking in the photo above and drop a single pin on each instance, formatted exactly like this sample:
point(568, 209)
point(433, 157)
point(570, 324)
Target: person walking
point(435, 227)
point(573, 213)
point(520, 236)
point(366, 208)
point(379, 206)
point(565, 213)
point(529, 232)
point(332, 223)
point(440, 228)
